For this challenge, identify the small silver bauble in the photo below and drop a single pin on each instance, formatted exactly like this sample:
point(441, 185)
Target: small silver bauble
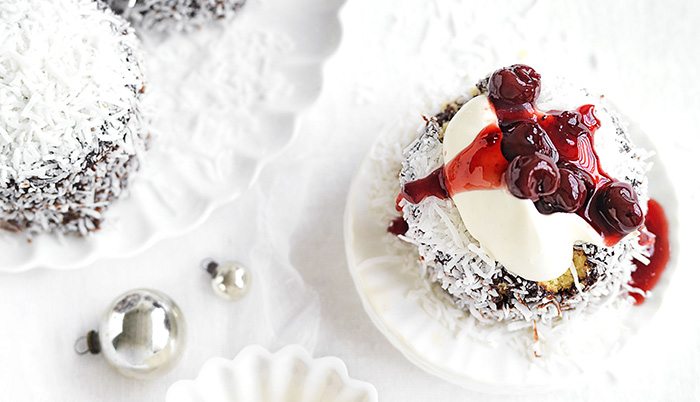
point(229, 280)
point(141, 335)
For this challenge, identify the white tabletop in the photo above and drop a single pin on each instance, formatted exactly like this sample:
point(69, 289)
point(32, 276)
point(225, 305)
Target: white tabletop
point(397, 60)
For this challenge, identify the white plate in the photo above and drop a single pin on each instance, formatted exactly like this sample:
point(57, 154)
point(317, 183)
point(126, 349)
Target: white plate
point(439, 338)
point(289, 375)
point(220, 112)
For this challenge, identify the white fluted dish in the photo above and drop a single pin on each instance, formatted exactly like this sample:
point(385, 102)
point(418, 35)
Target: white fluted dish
point(220, 114)
point(256, 375)
point(432, 333)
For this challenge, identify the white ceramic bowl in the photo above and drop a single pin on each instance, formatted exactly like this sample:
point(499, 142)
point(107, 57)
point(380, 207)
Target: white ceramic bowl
point(256, 375)
point(221, 110)
point(439, 338)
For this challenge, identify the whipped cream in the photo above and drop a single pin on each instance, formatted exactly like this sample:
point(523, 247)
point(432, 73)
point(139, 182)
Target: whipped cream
point(527, 243)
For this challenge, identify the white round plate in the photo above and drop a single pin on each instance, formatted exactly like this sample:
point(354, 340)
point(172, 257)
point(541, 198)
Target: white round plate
point(289, 375)
point(436, 336)
point(224, 100)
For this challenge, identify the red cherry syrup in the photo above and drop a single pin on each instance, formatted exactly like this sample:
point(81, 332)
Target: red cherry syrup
point(647, 275)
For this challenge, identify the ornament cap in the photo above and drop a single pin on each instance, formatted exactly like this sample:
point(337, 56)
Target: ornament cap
point(210, 266)
point(90, 343)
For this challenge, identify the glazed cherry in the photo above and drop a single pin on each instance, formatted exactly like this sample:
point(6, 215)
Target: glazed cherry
point(527, 138)
point(583, 175)
point(568, 125)
point(532, 176)
point(514, 85)
point(569, 197)
point(618, 206)
point(565, 129)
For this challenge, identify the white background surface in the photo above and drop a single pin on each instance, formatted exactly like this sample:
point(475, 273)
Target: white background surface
point(397, 59)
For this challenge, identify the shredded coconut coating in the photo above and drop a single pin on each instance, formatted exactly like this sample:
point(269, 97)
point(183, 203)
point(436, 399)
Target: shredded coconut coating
point(175, 15)
point(71, 126)
point(482, 287)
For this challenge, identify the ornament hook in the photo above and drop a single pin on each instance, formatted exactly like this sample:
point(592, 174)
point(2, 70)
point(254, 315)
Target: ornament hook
point(89, 343)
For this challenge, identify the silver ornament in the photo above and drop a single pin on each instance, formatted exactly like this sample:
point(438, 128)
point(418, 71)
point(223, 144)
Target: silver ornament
point(142, 334)
point(230, 280)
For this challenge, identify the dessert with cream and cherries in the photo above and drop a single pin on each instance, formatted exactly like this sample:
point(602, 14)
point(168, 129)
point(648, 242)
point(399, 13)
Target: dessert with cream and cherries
point(527, 199)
